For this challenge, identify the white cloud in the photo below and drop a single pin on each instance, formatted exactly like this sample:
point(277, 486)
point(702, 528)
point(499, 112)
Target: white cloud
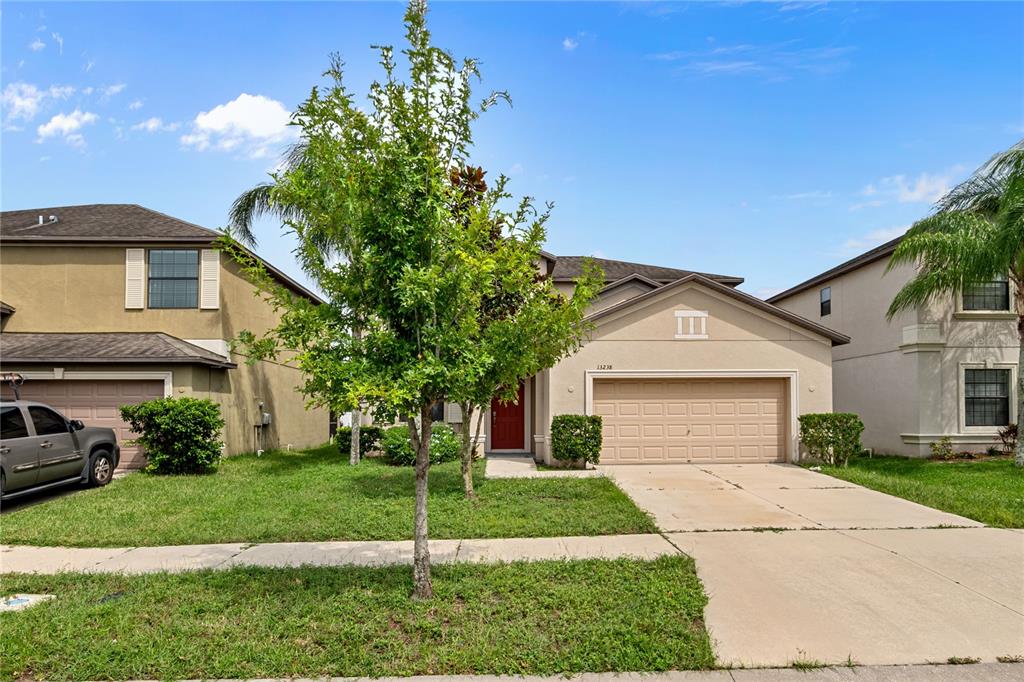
point(36, 45)
point(873, 238)
point(61, 91)
point(155, 125)
point(805, 196)
point(774, 62)
point(57, 38)
point(66, 126)
point(515, 169)
point(22, 101)
point(925, 188)
point(248, 123)
point(87, 67)
point(568, 44)
point(135, 105)
point(112, 90)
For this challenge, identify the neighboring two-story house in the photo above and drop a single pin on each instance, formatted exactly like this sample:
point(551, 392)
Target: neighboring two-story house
point(945, 369)
point(110, 304)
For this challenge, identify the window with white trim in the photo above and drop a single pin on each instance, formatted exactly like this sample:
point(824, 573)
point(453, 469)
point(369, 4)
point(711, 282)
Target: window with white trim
point(691, 324)
point(986, 397)
point(988, 296)
point(173, 278)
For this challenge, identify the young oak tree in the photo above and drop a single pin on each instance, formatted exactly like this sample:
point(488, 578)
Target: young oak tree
point(524, 324)
point(384, 233)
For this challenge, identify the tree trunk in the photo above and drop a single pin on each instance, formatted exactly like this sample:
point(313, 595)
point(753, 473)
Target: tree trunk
point(479, 423)
point(354, 453)
point(422, 586)
point(467, 451)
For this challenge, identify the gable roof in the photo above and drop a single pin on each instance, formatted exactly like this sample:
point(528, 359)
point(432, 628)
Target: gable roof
point(629, 279)
point(697, 278)
point(116, 223)
point(568, 268)
point(860, 261)
point(106, 347)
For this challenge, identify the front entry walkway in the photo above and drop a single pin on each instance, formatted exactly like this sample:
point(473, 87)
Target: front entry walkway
point(801, 566)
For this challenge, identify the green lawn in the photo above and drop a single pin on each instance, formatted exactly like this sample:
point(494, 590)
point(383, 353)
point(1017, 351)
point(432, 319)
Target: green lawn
point(990, 491)
point(315, 495)
point(541, 617)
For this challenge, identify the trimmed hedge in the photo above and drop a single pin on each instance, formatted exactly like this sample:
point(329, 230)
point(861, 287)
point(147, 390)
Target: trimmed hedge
point(833, 437)
point(576, 438)
point(180, 435)
point(397, 448)
point(369, 439)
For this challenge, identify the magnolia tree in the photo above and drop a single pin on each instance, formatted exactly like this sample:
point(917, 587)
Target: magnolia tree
point(399, 252)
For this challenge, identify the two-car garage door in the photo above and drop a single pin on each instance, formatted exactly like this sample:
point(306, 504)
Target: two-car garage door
point(691, 420)
point(96, 403)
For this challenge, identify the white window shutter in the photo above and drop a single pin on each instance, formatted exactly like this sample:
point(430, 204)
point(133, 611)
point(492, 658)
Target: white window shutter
point(134, 279)
point(209, 279)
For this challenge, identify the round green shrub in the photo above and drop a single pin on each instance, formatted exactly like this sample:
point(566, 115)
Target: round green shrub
point(179, 435)
point(369, 439)
point(444, 444)
point(576, 438)
point(397, 448)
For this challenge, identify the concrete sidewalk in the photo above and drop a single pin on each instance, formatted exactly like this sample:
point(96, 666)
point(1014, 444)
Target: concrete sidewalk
point(50, 560)
point(982, 672)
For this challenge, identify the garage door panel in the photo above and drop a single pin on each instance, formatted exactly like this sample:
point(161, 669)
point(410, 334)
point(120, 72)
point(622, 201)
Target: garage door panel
point(686, 420)
point(97, 403)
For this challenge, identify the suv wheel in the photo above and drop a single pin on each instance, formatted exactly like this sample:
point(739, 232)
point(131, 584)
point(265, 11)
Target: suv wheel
point(101, 468)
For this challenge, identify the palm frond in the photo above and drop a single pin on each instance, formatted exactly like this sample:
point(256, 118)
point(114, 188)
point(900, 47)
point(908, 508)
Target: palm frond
point(247, 208)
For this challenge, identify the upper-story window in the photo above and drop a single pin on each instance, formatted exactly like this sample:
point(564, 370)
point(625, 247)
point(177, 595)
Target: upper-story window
point(991, 295)
point(173, 278)
point(826, 301)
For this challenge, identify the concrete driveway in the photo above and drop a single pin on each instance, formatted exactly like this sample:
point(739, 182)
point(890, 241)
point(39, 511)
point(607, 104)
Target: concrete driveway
point(802, 566)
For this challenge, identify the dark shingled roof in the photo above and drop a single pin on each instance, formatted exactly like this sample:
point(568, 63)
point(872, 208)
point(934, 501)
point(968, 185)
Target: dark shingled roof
point(122, 223)
point(102, 222)
point(867, 257)
point(104, 347)
point(568, 268)
point(6, 309)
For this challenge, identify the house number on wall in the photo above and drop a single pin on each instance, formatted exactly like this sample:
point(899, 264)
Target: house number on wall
point(604, 366)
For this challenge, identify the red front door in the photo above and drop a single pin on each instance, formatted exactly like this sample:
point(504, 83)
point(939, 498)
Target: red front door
point(508, 421)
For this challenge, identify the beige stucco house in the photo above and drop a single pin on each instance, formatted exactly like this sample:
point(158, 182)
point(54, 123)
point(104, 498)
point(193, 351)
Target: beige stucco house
point(946, 369)
point(110, 304)
point(682, 366)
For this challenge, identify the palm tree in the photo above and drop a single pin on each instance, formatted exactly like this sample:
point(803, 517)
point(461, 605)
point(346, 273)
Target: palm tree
point(258, 202)
point(975, 234)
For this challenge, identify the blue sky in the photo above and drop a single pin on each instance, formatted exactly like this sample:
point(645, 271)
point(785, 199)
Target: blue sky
point(766, 140)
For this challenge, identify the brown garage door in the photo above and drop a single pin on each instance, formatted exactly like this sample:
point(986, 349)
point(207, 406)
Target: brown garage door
point(691, 420)
point(96, 403)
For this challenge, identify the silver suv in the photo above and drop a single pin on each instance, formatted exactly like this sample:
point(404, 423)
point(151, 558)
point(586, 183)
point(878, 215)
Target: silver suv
point(40, 448)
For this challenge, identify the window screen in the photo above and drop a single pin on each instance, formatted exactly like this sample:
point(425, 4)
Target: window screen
point(994, 295)
point(12, 423)
point(47, 422)
point(174, 278)
point(826, 301)
point(987, 397)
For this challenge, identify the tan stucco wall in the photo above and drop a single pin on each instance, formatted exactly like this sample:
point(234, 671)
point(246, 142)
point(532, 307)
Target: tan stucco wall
point(81, 289)
point(641, 338)
point(907, 395)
